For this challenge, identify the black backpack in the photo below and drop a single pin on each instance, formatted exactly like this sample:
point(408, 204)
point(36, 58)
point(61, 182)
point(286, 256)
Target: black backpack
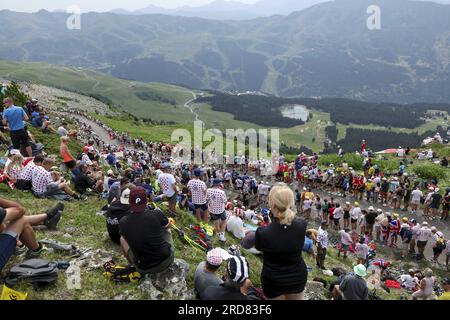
point(38, 272)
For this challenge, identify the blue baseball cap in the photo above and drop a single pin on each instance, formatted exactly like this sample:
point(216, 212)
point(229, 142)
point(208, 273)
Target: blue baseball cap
point(197, 172)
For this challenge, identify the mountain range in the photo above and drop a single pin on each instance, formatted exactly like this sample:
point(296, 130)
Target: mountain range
point(323, 51)
point(229, 10)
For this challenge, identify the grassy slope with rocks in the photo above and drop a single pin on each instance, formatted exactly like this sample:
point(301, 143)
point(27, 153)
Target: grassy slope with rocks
point(124, 94)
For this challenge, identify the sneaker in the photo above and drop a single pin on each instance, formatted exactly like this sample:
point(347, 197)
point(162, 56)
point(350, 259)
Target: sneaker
point(31, 254)
point(53, 222)
point(222, 237)
point(20, 250)
point(53, 211)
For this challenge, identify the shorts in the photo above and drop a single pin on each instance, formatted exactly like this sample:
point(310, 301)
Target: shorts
point(437, 251)
point(346, 215)
point(354, 220)
point(345, 246)
point(20, 138)
point(416, 202)
point(52, 189)
point(421, 244)
point(23, 184)
point(70, 164)
point(216, 217)
point(336, 222)
point(173, 199)
point(7, 248)
point(296, 284)
point(202, 207)
point(163, 265)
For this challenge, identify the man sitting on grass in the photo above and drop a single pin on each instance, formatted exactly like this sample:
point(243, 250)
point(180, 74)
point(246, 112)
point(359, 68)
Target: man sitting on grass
point(15, 225)
point(146, 240)
point(206, 272)
point(48, 184)
point(118, 209)
point(84, 179)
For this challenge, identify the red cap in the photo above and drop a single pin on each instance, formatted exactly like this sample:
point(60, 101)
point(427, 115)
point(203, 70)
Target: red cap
point(138, 200)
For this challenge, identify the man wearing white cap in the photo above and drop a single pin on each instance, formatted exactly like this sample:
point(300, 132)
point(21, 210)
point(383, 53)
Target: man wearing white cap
point(206, 272)
point(416, 196)
point(370, 219)
point(424, 234)
point(355, 215)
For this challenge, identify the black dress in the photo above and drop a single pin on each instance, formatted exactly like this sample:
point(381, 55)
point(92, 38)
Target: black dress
point(284, 271)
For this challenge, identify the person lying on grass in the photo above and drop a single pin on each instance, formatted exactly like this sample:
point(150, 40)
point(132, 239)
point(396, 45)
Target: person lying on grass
point(16, 229)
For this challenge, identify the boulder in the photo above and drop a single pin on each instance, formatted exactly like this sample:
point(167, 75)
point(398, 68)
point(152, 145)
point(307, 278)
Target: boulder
point(315, 291)
point(169, 284)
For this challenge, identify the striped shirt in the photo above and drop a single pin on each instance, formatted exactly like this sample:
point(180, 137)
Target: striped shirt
point(198, 190)
point(217, 200)
point(40, 178)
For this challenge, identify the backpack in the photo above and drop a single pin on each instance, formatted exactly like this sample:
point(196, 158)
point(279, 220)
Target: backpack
point(440, 244)
point(121, 274)
point(38, 272)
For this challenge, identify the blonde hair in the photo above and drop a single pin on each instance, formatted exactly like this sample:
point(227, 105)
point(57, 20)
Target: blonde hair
point(17, 160)
point(65, 139)
point(281, 198)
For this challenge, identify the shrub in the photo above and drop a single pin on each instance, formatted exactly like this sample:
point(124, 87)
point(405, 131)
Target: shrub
point(355, 161)
point(430, 171)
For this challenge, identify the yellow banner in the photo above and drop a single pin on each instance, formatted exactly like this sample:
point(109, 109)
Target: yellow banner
point(9, 294)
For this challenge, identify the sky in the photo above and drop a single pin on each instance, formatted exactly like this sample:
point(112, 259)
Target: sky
point(106, 5)
point(100, 5)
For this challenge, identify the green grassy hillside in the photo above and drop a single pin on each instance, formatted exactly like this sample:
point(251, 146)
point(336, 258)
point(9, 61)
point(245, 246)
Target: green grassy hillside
point(162, 102)
point(145, 100)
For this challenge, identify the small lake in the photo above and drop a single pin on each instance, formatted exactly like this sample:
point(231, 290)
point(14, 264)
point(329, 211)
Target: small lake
point(298, 112)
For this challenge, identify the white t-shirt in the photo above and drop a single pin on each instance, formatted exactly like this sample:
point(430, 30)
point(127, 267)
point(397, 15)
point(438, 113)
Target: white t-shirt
point(415, 230)
point(166, 180)
point(424, 234)
point(362, 250)
point(416, 195)
point(356, 213)
point(62, 131)
point(307, 204)
point(408, 281)
point(338, 214)
point(345, 237)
